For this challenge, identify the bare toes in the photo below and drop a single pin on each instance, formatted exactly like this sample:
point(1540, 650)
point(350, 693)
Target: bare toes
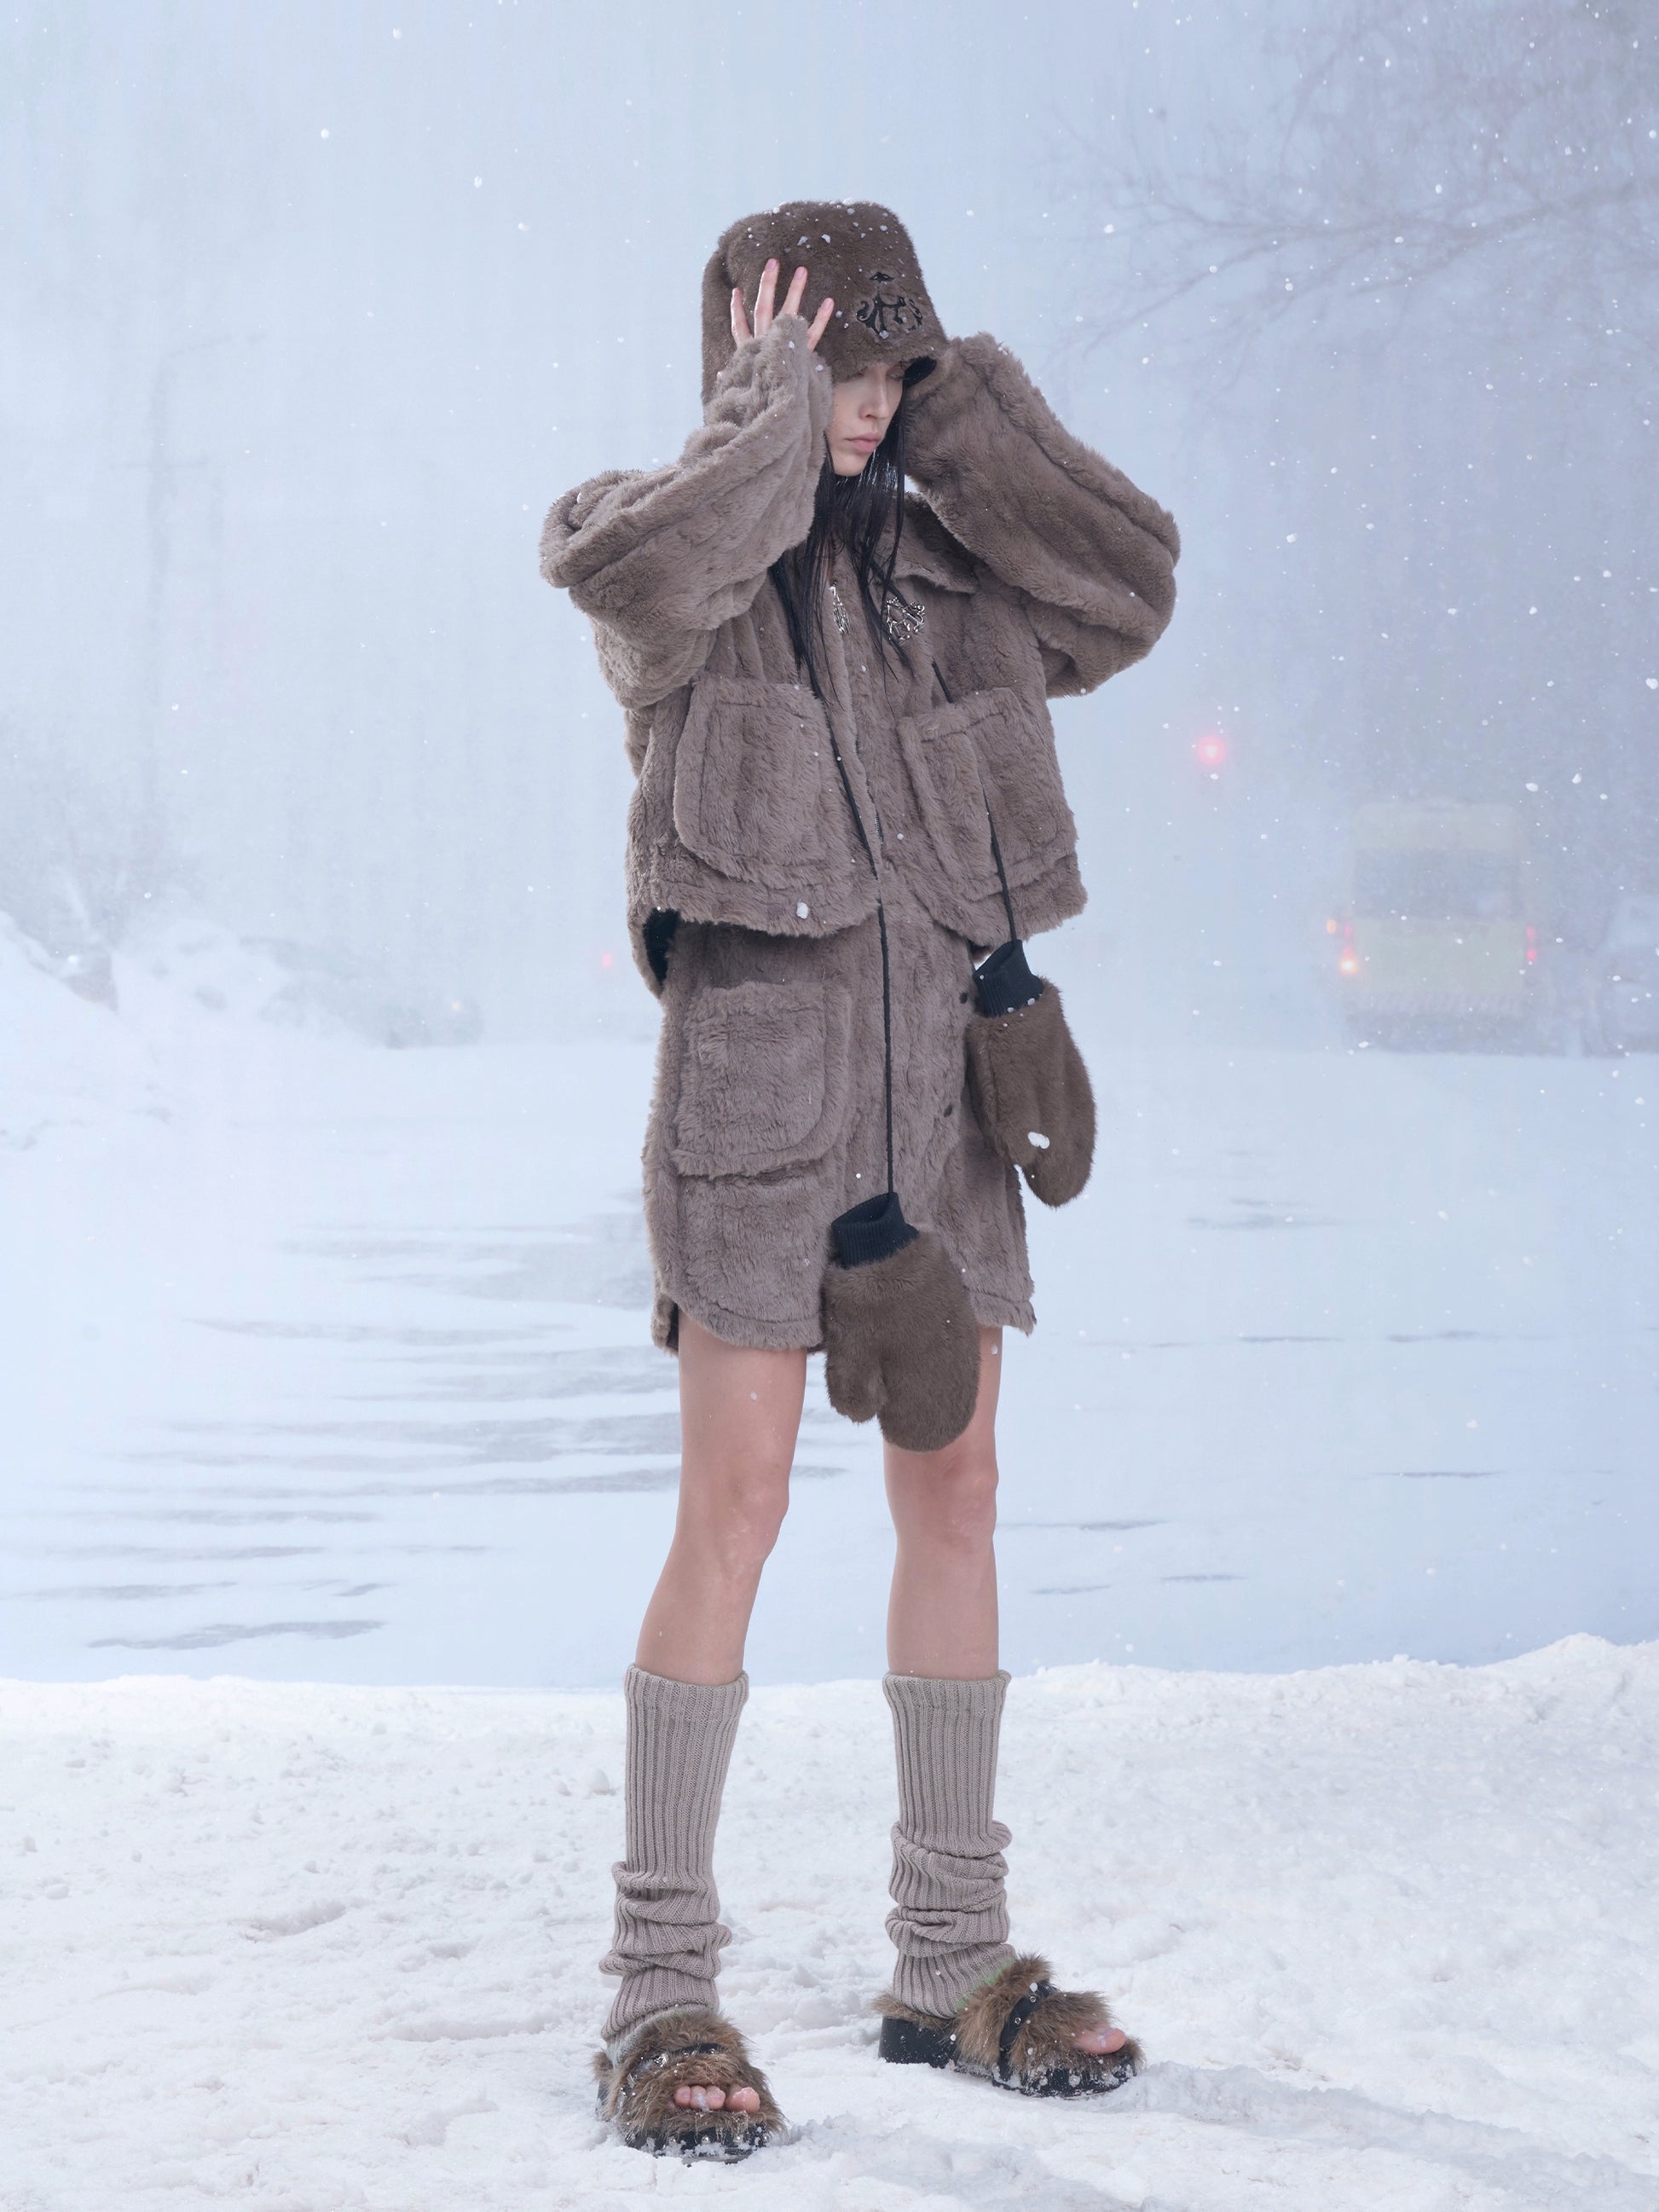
point(1100, 2041)
point(702, 2100)
point(699, 2097)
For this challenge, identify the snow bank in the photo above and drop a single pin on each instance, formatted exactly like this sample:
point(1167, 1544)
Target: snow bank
point(66, 1063)
point(1388, 1932)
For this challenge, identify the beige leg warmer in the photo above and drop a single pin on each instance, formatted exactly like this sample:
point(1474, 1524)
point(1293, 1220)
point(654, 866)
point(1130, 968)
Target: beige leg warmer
point(949, 1916)
point(668, 1934)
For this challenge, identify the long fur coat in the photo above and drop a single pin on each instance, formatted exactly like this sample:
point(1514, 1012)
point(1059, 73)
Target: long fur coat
point(1039, 570)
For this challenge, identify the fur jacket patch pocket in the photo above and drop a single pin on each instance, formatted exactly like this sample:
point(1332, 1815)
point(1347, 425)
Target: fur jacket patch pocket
point(756, 793)
point(758, 1142)
point(987, 758)
point(763, 1076)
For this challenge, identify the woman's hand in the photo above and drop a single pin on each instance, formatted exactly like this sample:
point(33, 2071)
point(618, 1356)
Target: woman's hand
point(766, 293)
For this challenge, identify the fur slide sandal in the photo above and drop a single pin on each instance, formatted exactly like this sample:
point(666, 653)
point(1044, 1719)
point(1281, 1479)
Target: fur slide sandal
point(638, 2076)
point(1015, 2030)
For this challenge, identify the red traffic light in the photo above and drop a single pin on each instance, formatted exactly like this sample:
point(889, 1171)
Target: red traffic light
point(1211, 749)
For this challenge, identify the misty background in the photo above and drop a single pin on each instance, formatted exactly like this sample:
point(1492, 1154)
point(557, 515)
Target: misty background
point(307, 313)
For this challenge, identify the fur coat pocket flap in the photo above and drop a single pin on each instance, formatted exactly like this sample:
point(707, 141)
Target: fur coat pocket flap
point(763, 1078)
point(756, 791)
point(988, 758)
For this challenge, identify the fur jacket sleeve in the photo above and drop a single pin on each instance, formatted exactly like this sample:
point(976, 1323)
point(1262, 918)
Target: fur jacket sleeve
point(659, 559)
point(1092, 557)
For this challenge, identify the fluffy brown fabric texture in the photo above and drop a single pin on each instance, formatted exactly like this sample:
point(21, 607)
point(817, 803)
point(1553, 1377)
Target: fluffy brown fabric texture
point(1044, 2045)
point(765, 1077)
point(636, 2088)
point(855, 252)
point(1026, 1078)
point(1041, 570)
point(900, 1344)
point(1052, 572)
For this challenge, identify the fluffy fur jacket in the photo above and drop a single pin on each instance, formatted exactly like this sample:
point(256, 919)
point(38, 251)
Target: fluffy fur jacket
point(1038, 570)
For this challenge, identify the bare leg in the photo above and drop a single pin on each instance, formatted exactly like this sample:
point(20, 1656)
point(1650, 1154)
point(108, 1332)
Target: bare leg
point(942, 1615)
point(740, 1411)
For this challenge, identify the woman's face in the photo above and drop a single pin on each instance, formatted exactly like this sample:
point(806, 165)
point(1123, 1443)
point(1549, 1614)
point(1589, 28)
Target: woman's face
point(863, 406)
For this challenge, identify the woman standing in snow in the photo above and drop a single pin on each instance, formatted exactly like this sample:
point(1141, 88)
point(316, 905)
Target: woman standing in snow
point(847, 795)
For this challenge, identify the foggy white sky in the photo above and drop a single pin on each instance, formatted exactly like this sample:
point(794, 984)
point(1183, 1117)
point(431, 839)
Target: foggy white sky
point(308, 311)
point(316, 309)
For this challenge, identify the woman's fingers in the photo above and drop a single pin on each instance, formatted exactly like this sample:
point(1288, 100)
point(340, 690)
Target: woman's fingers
point(766, 293)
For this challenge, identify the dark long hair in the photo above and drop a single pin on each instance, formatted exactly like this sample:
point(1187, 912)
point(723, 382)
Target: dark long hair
point(865, 515)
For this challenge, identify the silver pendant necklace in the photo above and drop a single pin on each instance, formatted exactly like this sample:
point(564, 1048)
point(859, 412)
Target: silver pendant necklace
point(902, 620)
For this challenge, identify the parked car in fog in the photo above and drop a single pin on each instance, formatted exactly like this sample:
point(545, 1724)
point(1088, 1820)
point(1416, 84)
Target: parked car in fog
point(1438, 941)
point(1621, 1010)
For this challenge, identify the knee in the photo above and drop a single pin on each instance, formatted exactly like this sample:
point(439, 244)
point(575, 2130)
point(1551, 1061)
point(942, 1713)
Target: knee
point(740, 1525)
point(950, 1501)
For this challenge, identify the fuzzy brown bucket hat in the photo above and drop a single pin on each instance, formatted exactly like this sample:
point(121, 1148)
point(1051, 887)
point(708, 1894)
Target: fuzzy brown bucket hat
point(858, 253)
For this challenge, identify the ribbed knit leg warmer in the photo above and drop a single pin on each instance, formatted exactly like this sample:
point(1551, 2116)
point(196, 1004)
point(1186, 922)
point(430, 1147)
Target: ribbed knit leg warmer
point(949, 1916)
point(668, 1934)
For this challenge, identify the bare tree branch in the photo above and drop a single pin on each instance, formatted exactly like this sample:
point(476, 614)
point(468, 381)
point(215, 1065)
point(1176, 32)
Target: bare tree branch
point(1497, 157)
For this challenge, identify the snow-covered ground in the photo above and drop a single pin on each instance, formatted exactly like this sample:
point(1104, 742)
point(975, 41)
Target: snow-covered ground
point(1388, 1931)
point(330, 1361)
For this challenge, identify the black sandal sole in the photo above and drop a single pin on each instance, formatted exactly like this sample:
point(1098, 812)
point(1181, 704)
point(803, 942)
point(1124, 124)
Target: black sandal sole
point(906, 2043)
point(712, 2145)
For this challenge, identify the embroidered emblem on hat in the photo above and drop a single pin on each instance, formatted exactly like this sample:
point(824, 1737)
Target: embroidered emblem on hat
point(885, 317)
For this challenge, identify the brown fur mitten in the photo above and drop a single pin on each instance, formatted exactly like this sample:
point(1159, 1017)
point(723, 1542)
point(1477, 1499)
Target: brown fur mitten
point(901, 1344)
point(1026, 1080)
